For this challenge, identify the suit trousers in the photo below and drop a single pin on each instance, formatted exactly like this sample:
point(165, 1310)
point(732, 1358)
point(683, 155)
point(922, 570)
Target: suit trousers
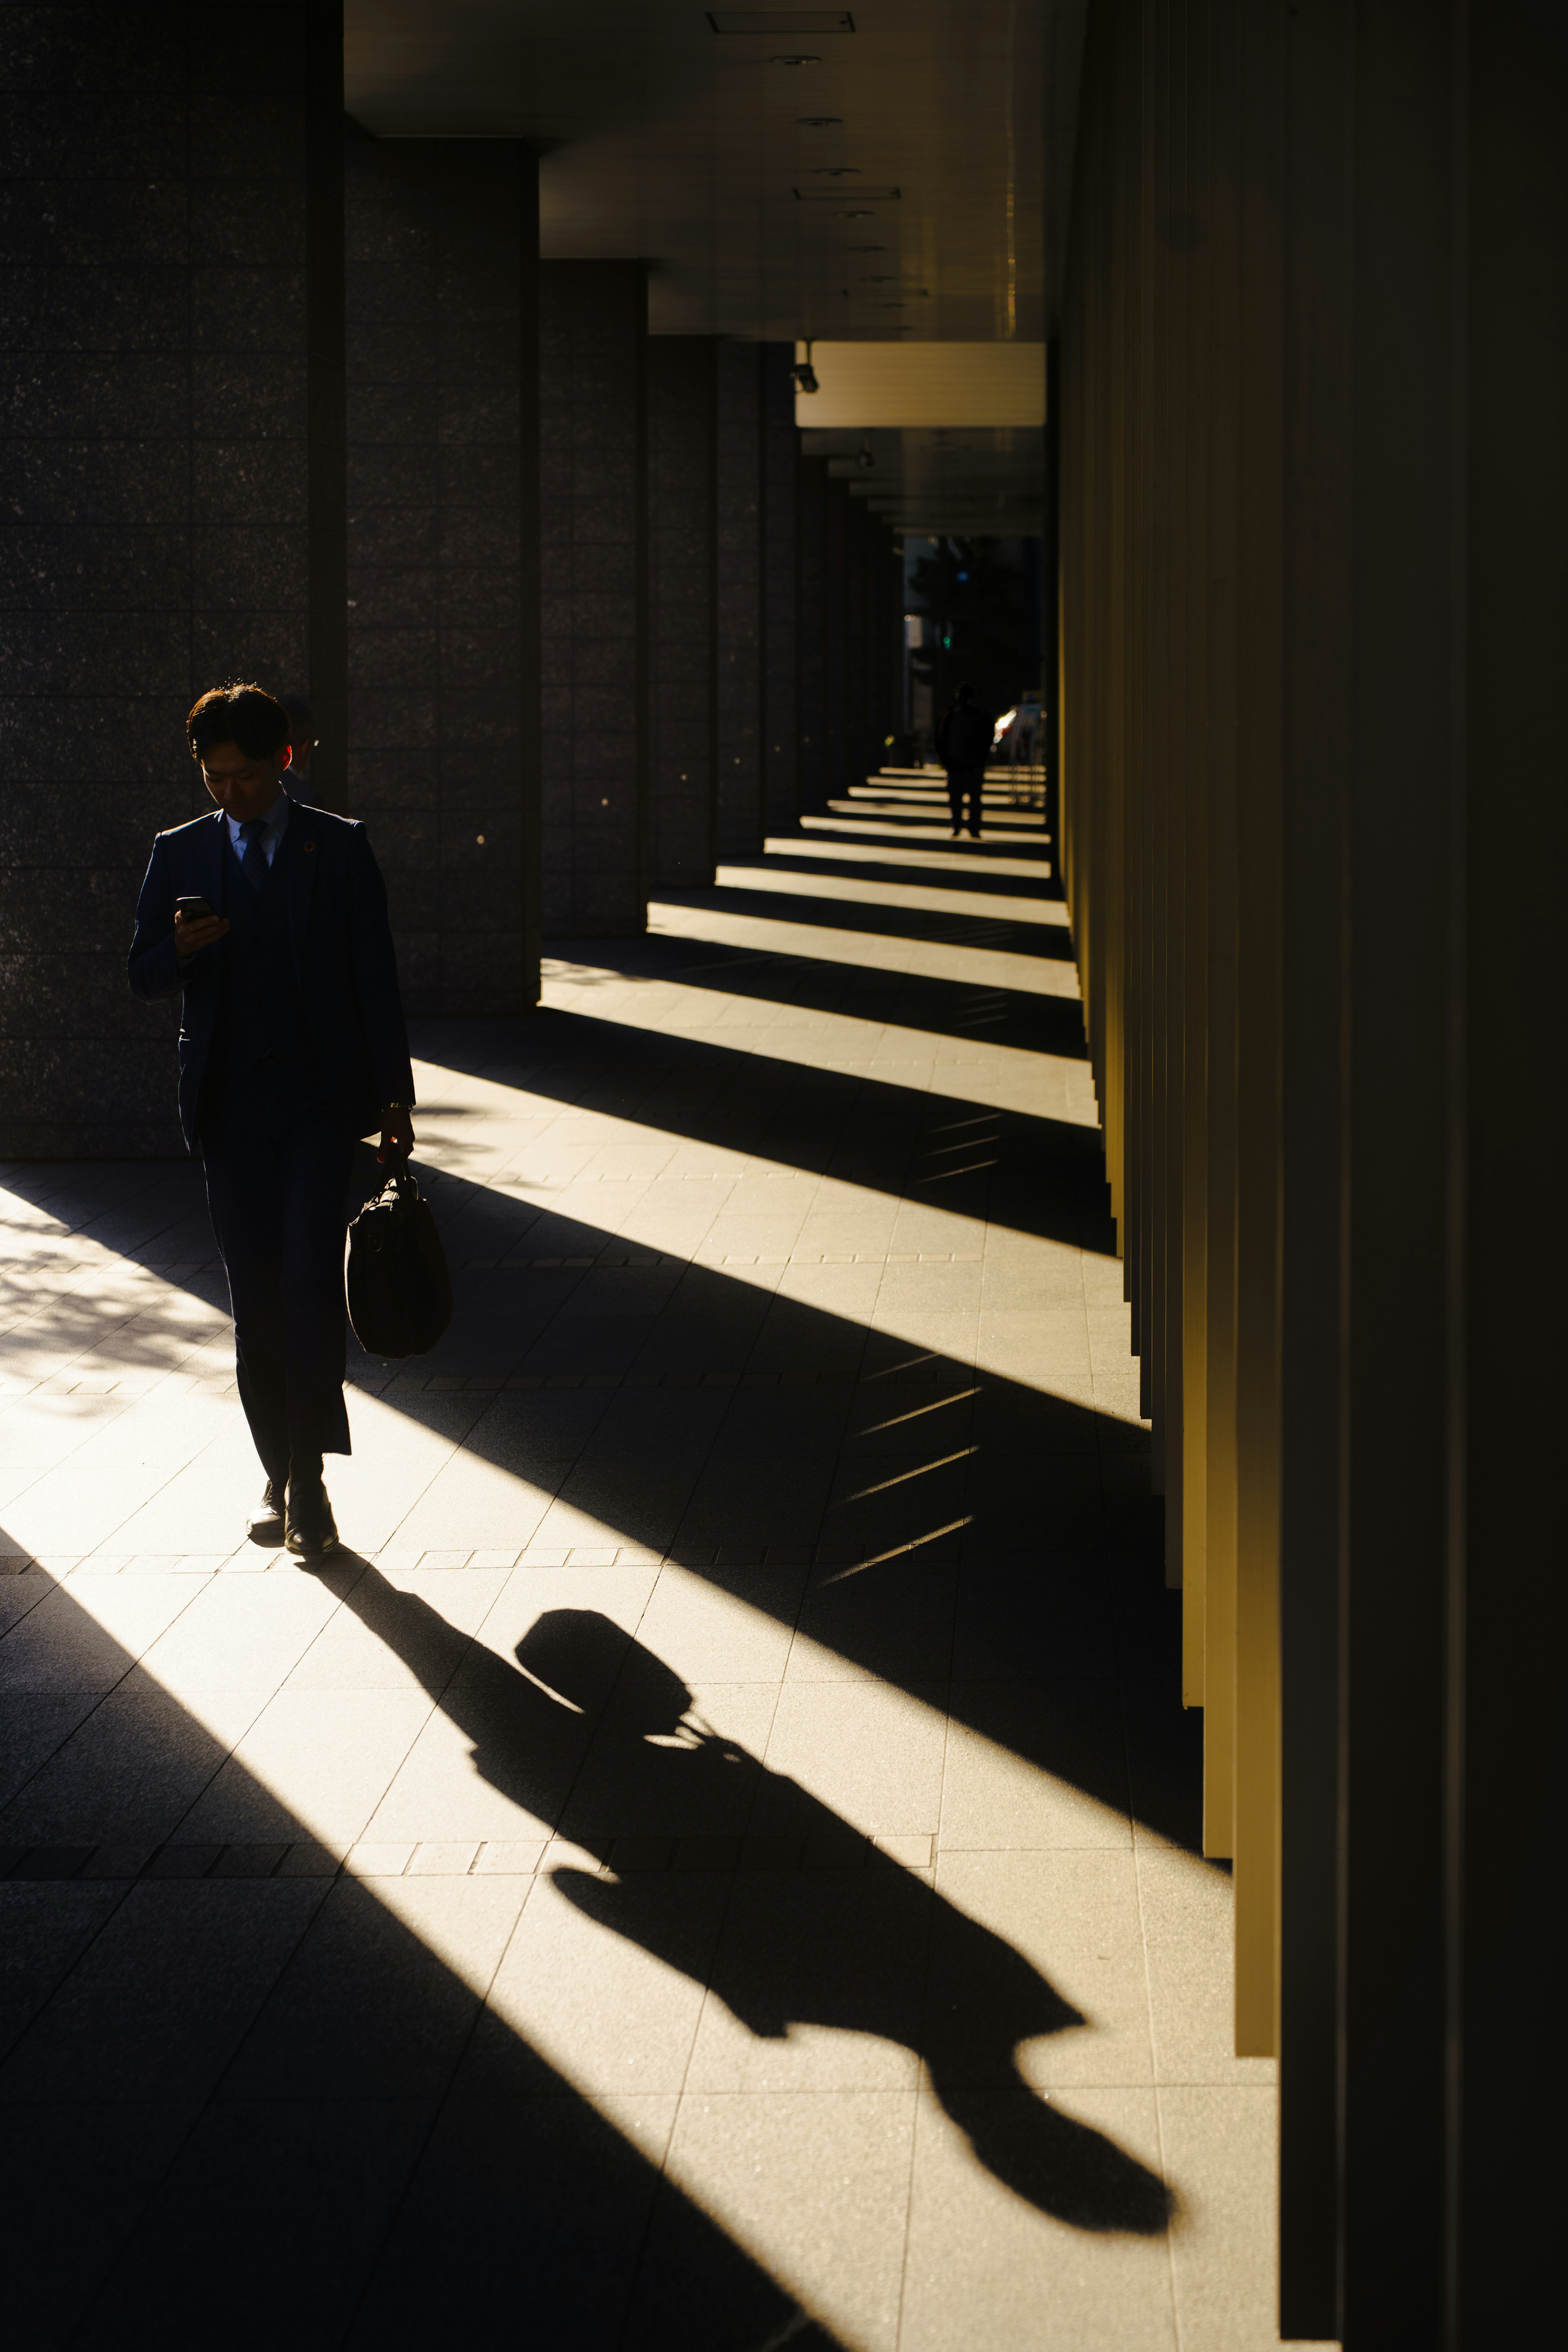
point(277, 1158)
point(965, 785)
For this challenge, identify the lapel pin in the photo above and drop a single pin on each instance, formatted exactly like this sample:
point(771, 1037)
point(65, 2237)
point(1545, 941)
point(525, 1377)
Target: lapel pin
point(309, 844)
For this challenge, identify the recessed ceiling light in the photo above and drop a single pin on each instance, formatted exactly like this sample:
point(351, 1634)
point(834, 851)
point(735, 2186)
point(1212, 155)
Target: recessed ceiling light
point(878, 281)
point(836, 171)
point(820, 121)
point(780, 20)
point(825, 195)
point(794, 61)
point(867, 248)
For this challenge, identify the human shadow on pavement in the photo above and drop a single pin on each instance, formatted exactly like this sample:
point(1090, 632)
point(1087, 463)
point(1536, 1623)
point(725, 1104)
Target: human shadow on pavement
point(874, 1950)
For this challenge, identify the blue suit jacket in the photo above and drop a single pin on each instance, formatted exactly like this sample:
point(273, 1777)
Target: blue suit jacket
point(341, 943)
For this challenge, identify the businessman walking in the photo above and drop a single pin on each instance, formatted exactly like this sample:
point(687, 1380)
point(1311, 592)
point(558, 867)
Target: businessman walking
point(270, 918)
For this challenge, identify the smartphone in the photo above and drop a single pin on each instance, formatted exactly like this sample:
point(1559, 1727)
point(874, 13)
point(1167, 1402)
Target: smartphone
point(194, 910)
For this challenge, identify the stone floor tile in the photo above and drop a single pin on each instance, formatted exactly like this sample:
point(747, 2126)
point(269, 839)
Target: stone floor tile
point(869, 1753)
point(1075, 1979)
point(635, 1783)
point(433, 1858)
point(1046, 2217)
point(45, 1929)
point(372, 1859)
point(547, 2190)
point(1188, 1933)
point(814, 2184)
point(34, 1725)
point(132, 1771)
point(1220, 2144)
point(231, 1637)
point(734, 1627)
point(1035, 1764)
point(321, 1759)
point(400, 1630)
point(605, 1979)
point(100, 2162)
point(380, 1996)
point(85, 1638)
point(249, 2175)
point(818, 1983)
point(156, 2006)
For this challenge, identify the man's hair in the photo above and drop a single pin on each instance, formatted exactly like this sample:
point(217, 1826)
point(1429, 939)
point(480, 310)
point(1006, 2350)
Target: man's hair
point(246, 714)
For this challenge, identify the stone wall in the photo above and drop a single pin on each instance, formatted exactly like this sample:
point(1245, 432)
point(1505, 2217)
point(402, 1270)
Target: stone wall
point(155, 500)
point(682, 559)
point(594, 598)
point(443, 591)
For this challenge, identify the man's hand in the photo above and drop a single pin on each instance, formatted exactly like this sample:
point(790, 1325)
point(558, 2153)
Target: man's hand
point(396, 1133)
point(190, 937)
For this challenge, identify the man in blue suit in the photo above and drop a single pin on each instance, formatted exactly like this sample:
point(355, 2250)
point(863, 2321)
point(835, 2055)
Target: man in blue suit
point(292, 1043)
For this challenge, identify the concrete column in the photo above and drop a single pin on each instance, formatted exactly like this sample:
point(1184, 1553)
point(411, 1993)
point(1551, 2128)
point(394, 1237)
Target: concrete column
point(740, 505)
point(682, 624)
point(173, 180)
point(443, 580)
point(781, 591)
point(594, 601)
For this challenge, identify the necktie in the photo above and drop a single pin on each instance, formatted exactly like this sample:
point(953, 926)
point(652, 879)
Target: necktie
point(253, 863)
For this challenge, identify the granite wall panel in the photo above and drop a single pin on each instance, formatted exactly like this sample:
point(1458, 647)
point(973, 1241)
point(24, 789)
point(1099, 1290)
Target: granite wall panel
point(738, 597)
point(682, 555)
point(594, 691)
point(155, 497)
point(440, 240)
point(779, 459)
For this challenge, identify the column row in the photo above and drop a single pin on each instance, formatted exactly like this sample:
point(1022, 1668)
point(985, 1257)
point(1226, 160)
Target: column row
point(575, 621)
point(1314, 367)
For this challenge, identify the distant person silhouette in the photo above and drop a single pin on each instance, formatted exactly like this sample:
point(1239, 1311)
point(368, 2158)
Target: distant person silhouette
point(963, 743)
point(867, 1951)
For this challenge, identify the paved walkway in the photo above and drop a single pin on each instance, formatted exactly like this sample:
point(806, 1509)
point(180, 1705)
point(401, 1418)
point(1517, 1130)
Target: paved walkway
point(714, 1864)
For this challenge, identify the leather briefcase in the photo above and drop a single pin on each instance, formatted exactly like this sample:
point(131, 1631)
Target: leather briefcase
point(399, 1291)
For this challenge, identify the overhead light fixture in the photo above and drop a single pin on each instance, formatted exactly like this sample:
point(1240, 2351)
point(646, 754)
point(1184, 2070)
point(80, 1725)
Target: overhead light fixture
point(819, 121)
point(858, 216)
point(804, 374)
point(780, 20)
point(794, 61)
point(867, 248)
point(866, 458)
point(878, 281)
point(825, 195)
point(836, 171)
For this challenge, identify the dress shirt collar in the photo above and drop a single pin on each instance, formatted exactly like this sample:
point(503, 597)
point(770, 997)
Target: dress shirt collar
point(274, 819)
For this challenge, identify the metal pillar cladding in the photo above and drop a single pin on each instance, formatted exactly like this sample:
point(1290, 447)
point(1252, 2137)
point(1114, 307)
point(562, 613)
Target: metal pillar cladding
point(173, 502)
point(1314, 392)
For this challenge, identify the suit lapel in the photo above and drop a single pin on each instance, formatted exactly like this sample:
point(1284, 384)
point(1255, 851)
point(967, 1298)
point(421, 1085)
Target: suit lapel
point(212, 861)
point(298, 853)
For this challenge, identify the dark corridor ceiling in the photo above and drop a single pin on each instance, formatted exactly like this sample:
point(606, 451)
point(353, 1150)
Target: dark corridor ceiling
point(760, 192)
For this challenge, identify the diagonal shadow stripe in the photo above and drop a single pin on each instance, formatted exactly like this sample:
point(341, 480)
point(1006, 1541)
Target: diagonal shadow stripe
point(855, 1128)
point(266, 2096)
point(933, 927)
point(943, 1008)
point(732, 1431)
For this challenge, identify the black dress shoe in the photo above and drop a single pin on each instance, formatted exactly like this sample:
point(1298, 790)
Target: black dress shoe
point(265, 1525)
point(310, 1529)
